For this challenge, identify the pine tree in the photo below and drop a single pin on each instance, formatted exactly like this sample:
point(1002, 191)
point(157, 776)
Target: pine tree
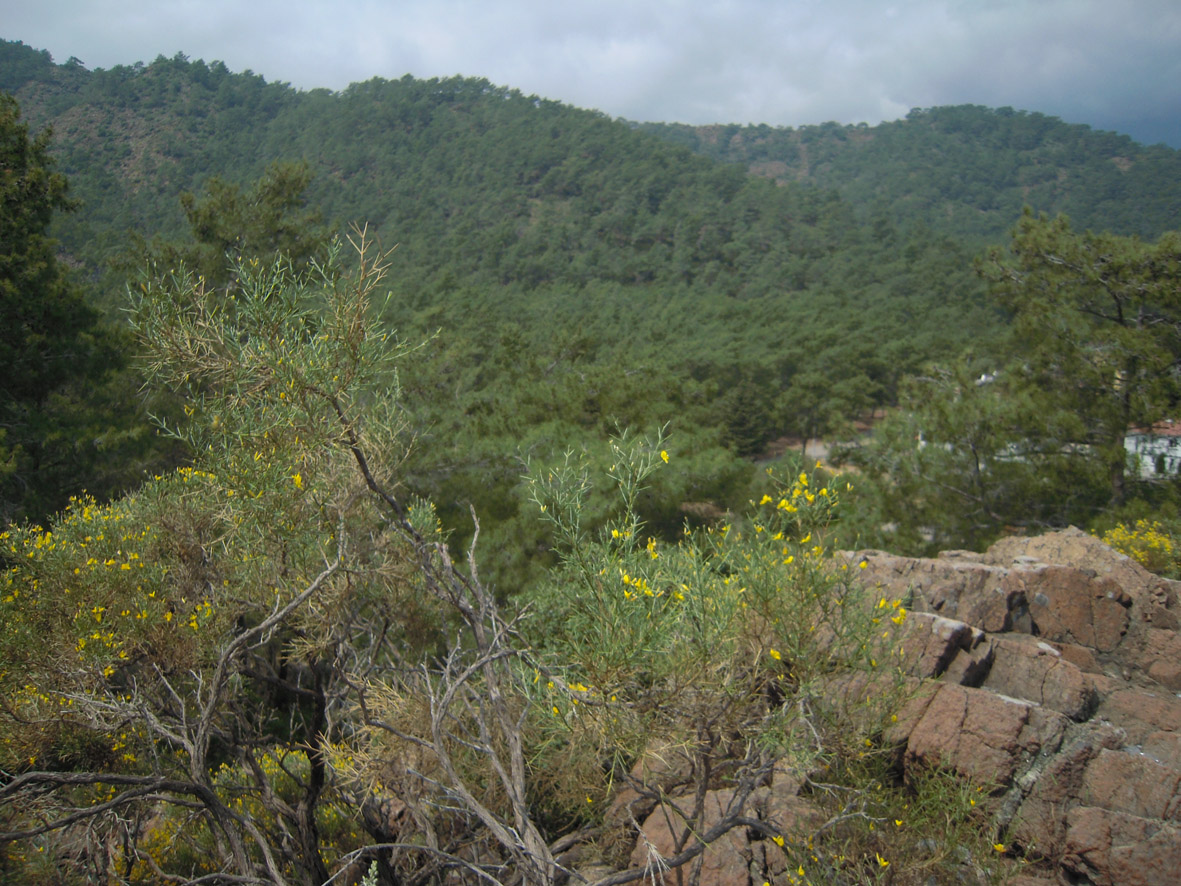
point(49, 336)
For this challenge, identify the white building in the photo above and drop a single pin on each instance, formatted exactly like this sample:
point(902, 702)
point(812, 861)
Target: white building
point(1156, 451)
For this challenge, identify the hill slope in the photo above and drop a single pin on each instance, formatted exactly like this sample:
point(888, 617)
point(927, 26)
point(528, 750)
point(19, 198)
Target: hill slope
point(965, 170)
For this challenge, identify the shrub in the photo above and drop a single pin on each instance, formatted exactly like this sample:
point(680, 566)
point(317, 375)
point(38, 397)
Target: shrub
point(1149, 543)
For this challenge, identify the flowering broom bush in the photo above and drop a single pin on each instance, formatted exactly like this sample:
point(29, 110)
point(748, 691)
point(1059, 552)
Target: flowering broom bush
point(210, 621)
point(1150, 543)
point(666, 669)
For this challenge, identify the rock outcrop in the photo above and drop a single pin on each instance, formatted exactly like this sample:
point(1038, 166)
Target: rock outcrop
point(1057, 669)
point(1051, 669)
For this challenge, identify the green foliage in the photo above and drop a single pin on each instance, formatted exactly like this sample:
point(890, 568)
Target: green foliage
point(589, 276)
point(44, 316)
point(229, 224)
point(56, 400)
point(22, 64)
point(970, 456)
point(1097, 321)
point(481, 187)
point(676, 645)
point(746, 417)
point(1036, 439)
point(278, 618)
point(752, 634)
point(964, 171)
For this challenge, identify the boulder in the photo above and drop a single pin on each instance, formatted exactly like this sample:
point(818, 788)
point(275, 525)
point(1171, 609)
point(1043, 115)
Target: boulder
point(1048, 792)
point(980, 734)
point(1031, 669)
point(1140, 712)
point(661, 768)
point(932, 642)
point(1159, 657)
point(1129, 781)
point(725, 862)
point(1070, 605)
point(1115, 849)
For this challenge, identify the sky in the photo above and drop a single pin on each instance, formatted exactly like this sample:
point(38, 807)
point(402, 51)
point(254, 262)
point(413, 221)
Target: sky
point(1112, 64)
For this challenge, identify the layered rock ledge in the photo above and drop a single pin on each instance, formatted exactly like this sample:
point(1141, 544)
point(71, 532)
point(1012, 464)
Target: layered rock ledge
point(1055, 673)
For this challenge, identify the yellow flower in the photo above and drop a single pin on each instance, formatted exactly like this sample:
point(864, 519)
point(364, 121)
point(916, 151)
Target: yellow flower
point(774, 653)
point(999, 847)
point(664, 455)
point(297, 479)
point(778, 840)
point(881, 861)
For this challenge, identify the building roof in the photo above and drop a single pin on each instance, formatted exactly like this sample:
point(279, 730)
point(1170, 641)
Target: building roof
point(1164, 428)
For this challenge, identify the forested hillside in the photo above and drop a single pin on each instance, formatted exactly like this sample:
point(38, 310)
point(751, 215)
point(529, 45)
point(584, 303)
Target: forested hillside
point(965, 171)
point(583, 273)
point(478, 185)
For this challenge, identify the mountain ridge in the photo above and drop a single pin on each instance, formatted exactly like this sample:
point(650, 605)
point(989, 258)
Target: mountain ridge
point(936, 167)
point(970, 168)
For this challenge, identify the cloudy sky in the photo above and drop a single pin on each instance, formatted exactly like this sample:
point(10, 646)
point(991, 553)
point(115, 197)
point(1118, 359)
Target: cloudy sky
point(1114, 64)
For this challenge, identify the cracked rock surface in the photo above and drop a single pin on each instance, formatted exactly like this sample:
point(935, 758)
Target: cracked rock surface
point(1056, 669)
